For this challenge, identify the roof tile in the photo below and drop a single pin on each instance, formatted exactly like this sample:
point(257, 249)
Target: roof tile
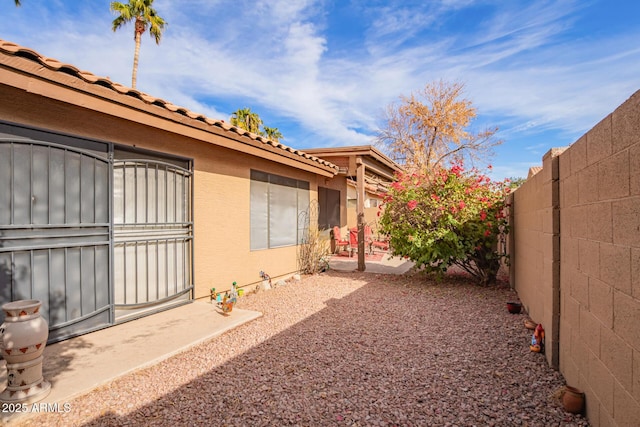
point(9, 48)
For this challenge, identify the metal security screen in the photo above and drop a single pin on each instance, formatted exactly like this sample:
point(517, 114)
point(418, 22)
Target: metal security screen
point(54, 232)
point(97, 240)
point(152, 235)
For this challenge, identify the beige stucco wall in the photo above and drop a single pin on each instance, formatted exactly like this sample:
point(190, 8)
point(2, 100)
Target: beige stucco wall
point(222, 223)
point(370, 213)
point(599, 261)
point(221, 185)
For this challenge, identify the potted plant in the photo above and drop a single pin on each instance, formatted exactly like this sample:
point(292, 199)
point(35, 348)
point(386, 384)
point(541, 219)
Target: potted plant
point(514, 307)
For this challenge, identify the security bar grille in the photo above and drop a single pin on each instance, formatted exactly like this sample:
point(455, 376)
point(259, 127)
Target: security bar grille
point(54, 233)
point(153, 233)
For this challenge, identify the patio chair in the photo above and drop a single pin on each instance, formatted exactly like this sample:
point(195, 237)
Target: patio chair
point(373, 243)
point(353, 241)
point(339, 242)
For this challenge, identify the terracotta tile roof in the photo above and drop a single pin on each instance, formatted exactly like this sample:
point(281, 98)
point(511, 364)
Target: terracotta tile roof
point(13, 49)
point(534, 170)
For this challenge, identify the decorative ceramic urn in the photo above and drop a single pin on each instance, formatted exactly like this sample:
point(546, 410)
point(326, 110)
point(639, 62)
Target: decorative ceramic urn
point(3, 375)
point(23, 336)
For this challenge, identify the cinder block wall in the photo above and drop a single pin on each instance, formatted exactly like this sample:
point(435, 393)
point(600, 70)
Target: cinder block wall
point(599, 264)
point(534, 252)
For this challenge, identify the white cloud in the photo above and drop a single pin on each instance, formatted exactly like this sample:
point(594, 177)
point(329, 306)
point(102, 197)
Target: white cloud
point(521, 69)
point(512, 170)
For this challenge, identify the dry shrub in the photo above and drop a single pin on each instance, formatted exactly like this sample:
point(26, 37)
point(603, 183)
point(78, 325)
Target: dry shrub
point(313, 253)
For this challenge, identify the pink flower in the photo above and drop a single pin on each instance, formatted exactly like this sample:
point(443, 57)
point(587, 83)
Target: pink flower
point(487, 233)
point(461, 204)
point(412, 204)
point(456, 170)
point(397, 186)
point(483, 215)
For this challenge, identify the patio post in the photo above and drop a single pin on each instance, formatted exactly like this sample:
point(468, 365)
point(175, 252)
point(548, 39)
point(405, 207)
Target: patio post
point(360, 167)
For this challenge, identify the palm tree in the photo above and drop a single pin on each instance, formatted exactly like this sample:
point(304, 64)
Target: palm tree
point(144, 15)
point(272, 133)
point(247, 120)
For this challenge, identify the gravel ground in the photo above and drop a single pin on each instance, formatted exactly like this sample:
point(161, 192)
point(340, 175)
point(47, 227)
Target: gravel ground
point(346, 349)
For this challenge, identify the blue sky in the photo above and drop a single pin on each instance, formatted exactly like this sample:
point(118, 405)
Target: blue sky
point(323, 71)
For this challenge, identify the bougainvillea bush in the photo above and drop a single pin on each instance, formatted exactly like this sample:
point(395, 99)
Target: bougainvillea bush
point(448, 217)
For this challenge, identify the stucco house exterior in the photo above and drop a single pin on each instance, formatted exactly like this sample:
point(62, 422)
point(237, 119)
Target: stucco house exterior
point(115, 204)
point(364, 175)
point(378, 171)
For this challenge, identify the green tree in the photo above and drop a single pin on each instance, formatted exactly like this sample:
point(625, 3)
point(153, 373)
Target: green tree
point(143, 15)
point(450, 217)
point(517, 181)
point(246, 119)
point(430, 129)
point(272, 133)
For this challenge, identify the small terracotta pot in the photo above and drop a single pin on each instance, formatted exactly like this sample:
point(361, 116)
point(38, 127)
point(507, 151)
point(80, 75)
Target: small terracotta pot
point(573, 400)
point(514, 307)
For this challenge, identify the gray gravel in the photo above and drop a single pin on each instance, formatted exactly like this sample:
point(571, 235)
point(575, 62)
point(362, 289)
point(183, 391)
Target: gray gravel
point(346, 349)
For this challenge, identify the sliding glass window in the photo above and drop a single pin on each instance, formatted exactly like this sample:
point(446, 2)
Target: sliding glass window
point(276, 206)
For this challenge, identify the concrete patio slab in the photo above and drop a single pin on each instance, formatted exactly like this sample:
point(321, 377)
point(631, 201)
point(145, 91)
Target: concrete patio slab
point(388, 264)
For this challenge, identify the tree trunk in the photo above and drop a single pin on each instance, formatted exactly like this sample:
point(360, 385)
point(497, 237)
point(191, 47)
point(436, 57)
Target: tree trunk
point(134, 76)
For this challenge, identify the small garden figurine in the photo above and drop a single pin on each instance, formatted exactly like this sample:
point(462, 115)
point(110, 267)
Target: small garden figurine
point(537, 341)
point(229, 299)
